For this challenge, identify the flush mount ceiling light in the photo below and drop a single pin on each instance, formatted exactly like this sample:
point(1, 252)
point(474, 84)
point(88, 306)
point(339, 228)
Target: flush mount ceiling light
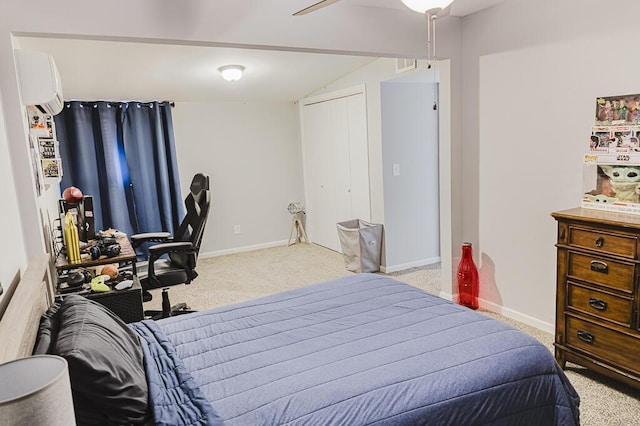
point(231, 72)
point(423, 6)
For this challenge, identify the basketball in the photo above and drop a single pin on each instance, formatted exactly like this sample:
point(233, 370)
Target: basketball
point(111, 270)
point(72, 195)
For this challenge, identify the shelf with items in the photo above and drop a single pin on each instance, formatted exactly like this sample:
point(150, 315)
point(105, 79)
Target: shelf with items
point(92, 257)
point(44, 148)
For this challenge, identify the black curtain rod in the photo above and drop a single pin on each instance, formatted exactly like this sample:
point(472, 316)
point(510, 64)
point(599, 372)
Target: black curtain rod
point(116, 103)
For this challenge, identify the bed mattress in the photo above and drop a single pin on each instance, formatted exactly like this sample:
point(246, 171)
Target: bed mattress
point(366, 350)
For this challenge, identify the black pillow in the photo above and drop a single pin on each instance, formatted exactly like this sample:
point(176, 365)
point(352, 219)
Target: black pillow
point(107, 374)
point(48, 331)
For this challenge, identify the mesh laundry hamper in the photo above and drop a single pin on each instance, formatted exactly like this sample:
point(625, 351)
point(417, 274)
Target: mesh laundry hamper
point(361, 245)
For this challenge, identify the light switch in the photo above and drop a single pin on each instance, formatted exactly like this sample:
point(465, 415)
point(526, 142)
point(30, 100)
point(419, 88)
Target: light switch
point(396, 169)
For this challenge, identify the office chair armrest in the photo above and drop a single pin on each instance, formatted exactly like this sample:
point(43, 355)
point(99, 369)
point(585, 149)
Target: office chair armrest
point(150, 237)
point(174, 247)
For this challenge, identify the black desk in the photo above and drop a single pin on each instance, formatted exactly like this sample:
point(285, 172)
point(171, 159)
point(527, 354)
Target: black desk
point(127, 304)
point(127, 256)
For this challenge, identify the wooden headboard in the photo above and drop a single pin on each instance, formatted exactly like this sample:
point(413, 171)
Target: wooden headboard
point(20, 321)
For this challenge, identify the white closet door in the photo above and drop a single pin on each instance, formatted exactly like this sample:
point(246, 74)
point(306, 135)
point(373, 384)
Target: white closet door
point(359, 158)
point(341, 159)
point(336, 165)
point(319, 174)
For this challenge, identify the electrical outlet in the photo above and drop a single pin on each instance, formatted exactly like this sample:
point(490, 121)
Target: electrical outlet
point(236, 229)
point(395, 170)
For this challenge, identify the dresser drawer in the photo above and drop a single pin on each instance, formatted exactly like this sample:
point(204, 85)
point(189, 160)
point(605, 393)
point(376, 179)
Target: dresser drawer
point(599, 304)
point(603, 242)
point(621, 349)
point(606, 272)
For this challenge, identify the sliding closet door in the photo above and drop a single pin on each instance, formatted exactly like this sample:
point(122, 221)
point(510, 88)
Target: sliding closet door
point(336, 165)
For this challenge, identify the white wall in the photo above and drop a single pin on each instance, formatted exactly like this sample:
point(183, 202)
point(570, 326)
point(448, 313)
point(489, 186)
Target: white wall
point(534, 70)
point(449, 152)
point(12, 251)
point(411, 205)
point(252, 154)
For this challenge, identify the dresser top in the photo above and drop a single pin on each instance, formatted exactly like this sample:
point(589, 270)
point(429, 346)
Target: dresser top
point(599, 216)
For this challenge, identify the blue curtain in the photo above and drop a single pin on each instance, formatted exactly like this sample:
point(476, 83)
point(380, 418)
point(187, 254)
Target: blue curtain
point(123, 154)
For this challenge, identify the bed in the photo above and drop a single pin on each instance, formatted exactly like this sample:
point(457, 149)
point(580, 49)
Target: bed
point(364, 349)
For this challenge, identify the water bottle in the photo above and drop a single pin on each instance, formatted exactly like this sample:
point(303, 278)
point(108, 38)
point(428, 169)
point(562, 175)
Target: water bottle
point(468, 281)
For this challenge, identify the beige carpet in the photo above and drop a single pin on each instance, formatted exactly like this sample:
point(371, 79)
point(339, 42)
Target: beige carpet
point(245, 276)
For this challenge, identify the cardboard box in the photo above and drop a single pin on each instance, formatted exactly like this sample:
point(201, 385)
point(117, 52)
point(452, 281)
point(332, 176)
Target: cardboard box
point(611, 181)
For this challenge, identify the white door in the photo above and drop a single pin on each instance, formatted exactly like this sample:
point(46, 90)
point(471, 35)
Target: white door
point(336, 165)
point(319, 176)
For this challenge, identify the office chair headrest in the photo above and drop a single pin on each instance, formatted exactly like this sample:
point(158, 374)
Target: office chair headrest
point(199, 183)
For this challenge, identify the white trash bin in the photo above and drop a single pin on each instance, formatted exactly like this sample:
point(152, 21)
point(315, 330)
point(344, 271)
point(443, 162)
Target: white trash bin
point(361, 244)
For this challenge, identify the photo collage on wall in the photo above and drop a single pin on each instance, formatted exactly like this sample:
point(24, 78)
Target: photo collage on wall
point(44, 147)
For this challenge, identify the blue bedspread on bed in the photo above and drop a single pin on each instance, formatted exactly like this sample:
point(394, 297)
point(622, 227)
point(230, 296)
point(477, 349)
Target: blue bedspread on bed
point(175, 398)
point(368, 350)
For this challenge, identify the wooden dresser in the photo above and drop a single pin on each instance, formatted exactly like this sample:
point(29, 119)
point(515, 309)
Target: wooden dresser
point(597, 305)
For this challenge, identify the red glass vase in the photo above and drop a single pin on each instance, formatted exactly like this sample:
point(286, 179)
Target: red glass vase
point(468, 281)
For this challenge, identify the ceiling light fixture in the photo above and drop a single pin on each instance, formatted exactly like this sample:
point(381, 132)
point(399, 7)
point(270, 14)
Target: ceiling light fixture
point(423, 6)
point(432, 9)
point(231, 72)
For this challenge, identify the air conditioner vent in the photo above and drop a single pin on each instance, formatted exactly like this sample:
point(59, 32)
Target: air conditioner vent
point(404, 64)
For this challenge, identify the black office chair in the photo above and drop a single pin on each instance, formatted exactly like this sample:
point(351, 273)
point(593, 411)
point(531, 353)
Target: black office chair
point(172, 259)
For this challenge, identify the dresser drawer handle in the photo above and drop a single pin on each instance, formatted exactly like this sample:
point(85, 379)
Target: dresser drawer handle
point(598, 304)
point(599, 242)
point(599, 266)
point(585, 336)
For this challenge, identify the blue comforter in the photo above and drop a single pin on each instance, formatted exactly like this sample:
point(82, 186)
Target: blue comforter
point(174, 396)
point(367, 350)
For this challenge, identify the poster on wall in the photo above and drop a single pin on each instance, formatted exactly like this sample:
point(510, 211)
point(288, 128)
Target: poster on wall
point(35, 160)
point(52, 168)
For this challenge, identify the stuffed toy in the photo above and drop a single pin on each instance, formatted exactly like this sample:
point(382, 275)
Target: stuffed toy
point(625, 181)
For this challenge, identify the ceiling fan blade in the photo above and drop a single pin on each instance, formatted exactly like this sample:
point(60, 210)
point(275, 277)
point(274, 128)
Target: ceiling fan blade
point(315, 7)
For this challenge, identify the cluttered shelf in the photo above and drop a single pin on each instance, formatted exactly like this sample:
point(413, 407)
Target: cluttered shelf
point(110, 261)
point(90, 258)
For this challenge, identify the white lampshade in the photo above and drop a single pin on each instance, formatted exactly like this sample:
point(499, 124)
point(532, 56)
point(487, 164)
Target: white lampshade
point(231, 72)
point(36, 391)
point(423, 6)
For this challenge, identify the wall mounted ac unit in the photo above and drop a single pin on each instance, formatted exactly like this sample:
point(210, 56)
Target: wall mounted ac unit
point(39, 81)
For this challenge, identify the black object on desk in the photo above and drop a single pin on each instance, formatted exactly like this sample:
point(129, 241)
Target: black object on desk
point(127, 304)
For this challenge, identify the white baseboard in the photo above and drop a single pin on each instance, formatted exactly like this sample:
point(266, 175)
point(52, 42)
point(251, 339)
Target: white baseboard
point(403, 266)
point(509, 313)
point(242, 249)
point(518, 316)
point(447, 296)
